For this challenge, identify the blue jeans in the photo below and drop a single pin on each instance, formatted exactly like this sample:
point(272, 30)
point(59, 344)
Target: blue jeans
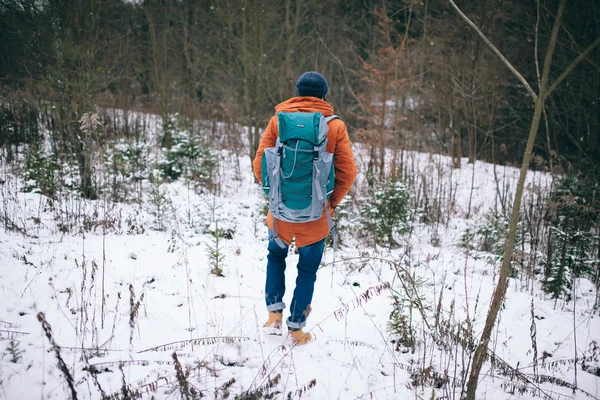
point(308, 264)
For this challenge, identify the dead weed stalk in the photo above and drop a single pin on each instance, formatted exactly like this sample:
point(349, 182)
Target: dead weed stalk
point(57, 351)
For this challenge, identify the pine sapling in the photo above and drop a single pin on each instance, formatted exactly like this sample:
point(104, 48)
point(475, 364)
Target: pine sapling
point(214, 251)
point(14, 351)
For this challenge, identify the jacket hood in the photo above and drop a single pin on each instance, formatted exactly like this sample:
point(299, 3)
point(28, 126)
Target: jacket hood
point(305, 104)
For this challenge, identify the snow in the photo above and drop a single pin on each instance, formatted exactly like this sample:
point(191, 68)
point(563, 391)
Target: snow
point(214, 323)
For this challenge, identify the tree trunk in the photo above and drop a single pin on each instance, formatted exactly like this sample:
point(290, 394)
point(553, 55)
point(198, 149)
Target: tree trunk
point(457, 140)
point(245, 67)
point(289, 87)
point(500, 291)
point(471, 136)
point(382, 140)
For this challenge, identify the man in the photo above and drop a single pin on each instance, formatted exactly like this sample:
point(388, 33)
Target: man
point(310, 236)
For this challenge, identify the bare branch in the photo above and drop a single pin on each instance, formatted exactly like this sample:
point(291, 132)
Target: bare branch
point(573, 43)
point(550, 50)
point(344, 74)
point(495, 50)
point(535, 49)
point(572, 66)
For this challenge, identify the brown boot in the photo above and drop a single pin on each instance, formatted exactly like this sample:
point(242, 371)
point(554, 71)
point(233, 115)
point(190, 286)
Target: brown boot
point(273, 324)
point(299, 337)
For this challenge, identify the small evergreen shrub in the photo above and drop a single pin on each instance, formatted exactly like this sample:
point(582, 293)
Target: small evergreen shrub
point(568, 260)
point(467, 239)
point(490, 234)
point(214, 251)
point(401, 326)
point(385, 212)
point(42, 171)
point(574, 234)
point(489, 237)
point(14, 351)
point(127, 164)
point(160, 205)
point(343, 220)
point(190, 157)
point(435, 240)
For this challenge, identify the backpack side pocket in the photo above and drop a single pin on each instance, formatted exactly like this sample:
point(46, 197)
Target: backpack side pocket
point(266, 182)
point(327, 177)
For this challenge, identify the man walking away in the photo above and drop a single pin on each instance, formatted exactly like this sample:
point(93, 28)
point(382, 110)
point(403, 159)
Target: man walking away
point(306, 166)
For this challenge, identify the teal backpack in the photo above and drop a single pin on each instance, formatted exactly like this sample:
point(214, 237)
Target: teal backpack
point(298, 174)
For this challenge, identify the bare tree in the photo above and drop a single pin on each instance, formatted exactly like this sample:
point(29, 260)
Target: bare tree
point(539, 99)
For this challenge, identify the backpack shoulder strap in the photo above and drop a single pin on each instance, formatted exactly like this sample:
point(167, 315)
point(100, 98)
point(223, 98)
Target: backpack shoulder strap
point(331, 118)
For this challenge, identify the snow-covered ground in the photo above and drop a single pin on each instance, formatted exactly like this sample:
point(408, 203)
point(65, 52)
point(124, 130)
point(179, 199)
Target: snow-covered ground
point(86, 285)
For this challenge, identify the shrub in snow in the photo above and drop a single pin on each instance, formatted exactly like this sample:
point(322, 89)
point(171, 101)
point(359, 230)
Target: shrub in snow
point(569, 259)
point(343, 219)
point(385, 212)
point(574, 234)
point(161, 205)
point(14, 351)
point(42, 172)
point(435, 240)
point(190, 157)
point(489, 236)
point(126, 163)
point(214, 251)
point(401, 325)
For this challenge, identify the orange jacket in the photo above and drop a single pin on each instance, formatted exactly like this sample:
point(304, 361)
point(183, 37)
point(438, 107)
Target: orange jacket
point(338, 143)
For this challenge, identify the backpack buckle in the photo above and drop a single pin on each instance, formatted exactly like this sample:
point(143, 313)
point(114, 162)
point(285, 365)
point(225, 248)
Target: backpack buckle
point(315, 153)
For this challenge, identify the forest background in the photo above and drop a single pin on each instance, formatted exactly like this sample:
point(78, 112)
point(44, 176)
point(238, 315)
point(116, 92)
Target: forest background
point(76, 78)
point(418, 64)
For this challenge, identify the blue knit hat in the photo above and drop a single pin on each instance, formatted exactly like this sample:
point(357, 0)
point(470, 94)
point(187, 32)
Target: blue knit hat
point(312, 84)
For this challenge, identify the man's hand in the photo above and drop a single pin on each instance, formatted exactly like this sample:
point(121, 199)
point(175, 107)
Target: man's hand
point(331, 205)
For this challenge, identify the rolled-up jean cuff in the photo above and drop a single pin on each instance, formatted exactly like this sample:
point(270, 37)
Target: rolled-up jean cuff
point(295, 325)
point(276, 307)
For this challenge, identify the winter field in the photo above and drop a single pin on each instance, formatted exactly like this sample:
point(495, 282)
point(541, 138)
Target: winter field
point(125, 294)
